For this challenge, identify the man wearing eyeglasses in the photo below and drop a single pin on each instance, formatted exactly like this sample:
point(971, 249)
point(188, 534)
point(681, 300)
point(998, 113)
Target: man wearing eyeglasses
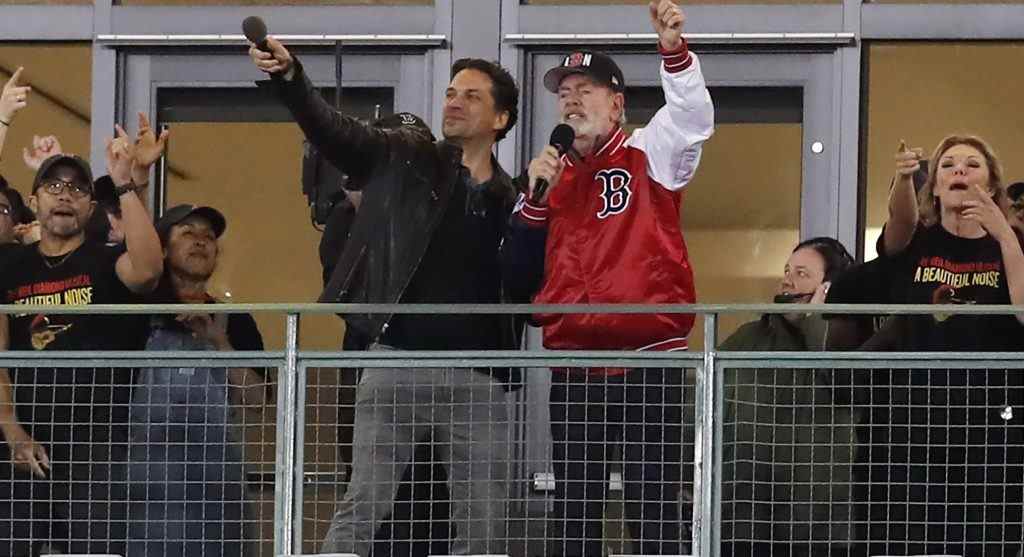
point(65, 427)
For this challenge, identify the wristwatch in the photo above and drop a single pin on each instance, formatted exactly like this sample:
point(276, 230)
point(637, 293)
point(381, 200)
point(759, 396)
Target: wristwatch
point(129, 187)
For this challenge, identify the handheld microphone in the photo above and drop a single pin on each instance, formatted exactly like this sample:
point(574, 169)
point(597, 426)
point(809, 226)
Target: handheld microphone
point(256, 31)
point(561, 139)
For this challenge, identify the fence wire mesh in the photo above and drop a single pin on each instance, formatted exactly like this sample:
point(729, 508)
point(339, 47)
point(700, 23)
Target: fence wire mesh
point(138, 461)
point(451, 460)
point(884, 461)
point(403, 453)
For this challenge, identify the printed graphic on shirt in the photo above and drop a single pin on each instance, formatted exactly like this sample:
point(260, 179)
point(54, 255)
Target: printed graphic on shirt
point(615, 192)
point(74, 291)
point(958, 283)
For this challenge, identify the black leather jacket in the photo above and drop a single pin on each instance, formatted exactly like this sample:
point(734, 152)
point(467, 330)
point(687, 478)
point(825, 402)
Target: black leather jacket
point(407, 181)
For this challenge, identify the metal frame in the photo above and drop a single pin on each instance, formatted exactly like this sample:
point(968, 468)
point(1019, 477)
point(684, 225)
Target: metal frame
point(505, 29)
point(513, 33)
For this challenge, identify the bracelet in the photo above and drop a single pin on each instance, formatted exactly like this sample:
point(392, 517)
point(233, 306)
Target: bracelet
point(130, 187)
point(8, 124)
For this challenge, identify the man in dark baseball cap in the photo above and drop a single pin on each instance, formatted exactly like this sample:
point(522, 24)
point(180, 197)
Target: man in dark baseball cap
point(71, 167)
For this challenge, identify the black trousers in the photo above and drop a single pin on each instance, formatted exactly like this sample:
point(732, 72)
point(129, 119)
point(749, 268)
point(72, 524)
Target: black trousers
point(80, 507)
point(590, 416)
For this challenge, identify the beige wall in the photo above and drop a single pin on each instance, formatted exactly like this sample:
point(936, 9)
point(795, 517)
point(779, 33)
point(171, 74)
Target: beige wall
point(921, 91)
point(270, 248)
point(61, 75)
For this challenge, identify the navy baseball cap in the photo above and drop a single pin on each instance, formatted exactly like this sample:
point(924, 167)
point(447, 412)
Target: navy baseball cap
point(72, 161)
point(598, 65)
point(404, 120)
point(178, 213)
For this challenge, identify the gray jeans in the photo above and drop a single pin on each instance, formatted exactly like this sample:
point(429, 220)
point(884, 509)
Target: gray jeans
point(467, 414)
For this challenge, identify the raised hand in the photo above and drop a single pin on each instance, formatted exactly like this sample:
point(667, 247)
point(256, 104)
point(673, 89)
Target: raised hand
point(120, 157)
point(820, 293)
point(548, 166)
point(13, 98)
point(210, 328)
point(908, 161)
point(148, 149)
point(27, 233)
point(982, 209)
point(667, 19)
point(42, 149)
point(277, 61)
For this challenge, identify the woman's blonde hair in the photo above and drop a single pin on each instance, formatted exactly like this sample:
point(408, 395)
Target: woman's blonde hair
point(928, 204)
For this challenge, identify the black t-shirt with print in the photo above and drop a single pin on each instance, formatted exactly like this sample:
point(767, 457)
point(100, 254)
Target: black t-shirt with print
point(938, 267)
point(97, 396)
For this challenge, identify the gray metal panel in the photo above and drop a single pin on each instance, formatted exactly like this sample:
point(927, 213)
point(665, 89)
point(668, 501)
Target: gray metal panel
point(105, 84)
point(847, 120)
point(967, 21)
point(441, 62)
point(699, 19)
point(818, 199)
point(222, 68)
point(280, 19)
point(46, 23)
point(409, 95)
point(644, 39)
point(510, 148)
point(476, 23)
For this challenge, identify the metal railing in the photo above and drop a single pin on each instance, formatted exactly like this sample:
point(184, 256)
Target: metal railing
point(709, 370)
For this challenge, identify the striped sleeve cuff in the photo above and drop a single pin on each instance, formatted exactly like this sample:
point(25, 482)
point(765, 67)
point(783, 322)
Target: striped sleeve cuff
point(676, 60)
point(533, 215)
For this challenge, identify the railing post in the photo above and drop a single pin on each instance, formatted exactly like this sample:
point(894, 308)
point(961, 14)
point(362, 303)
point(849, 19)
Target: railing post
point(705, 461)
point(299, 481)
point(284, 473)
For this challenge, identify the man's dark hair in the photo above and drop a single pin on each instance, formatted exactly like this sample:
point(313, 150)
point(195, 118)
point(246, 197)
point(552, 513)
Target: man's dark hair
point(20, 213)
point(503, 88)
point(837, 259)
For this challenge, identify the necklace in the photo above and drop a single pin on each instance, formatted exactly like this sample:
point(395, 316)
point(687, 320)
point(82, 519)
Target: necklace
point(52, 262)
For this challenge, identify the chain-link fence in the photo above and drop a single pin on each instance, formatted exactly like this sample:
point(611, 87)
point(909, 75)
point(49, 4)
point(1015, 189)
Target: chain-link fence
point(396, 453)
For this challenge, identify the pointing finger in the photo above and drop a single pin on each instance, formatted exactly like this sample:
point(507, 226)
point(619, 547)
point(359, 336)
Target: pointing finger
point(15, 77)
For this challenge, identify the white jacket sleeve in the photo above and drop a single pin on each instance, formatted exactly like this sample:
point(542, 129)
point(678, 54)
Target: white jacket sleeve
point(673, 139)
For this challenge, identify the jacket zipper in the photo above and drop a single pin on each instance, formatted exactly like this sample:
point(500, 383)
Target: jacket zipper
point(419, 260)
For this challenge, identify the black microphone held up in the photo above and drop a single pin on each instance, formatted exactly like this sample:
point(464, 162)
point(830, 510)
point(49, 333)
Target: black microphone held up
point(561, 139)
point(256, 31)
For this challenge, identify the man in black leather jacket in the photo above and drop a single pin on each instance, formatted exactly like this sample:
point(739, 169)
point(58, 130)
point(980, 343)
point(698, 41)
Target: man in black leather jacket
point(430, 225)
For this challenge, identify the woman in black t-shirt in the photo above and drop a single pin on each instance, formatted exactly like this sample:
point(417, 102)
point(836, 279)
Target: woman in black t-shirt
point(944, 465)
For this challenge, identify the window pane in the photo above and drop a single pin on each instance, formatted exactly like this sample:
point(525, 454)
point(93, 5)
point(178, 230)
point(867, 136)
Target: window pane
point(741, 216)
point(256, 184)
point(645, 2)
point(741, 212)
point(272, 2)
point(921, 92)
point(60, 102)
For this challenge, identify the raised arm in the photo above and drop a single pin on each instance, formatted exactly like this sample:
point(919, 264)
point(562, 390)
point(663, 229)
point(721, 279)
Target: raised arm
point(349, 144)
point(140, 267)
point(674, 137)
point(13, 98)
point(903, 213)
